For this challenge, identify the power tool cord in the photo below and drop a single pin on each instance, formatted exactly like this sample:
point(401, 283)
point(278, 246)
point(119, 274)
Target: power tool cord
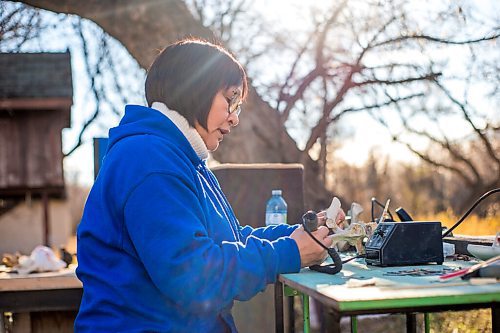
point(310, 224)
point(484, 196)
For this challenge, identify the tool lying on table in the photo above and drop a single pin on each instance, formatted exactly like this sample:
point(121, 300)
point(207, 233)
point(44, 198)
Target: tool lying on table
point(420, 272)
point(488, 268)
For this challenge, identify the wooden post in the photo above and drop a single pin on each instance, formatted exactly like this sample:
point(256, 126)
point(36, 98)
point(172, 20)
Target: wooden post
point(46, 224)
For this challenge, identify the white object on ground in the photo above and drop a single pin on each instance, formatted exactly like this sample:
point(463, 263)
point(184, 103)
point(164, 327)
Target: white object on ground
point(42, 259)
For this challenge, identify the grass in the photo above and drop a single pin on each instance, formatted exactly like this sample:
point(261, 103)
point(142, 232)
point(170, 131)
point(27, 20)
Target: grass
point(473, 321)
point(476, 321)
point(472, 225)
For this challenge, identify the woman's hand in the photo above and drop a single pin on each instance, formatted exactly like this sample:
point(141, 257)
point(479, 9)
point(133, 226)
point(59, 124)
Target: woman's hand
point(310, 252)
point(339, 220)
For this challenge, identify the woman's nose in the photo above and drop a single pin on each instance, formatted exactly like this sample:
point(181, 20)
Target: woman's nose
point(233, 119)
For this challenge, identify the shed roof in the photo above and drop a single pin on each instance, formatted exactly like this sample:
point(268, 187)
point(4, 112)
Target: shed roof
point(35, 75)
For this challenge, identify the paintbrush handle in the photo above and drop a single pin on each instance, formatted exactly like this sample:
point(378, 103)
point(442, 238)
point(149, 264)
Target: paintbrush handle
point(468, 270)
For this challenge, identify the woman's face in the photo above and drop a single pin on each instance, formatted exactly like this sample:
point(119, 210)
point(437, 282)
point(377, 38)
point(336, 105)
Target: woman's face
point(219, 121)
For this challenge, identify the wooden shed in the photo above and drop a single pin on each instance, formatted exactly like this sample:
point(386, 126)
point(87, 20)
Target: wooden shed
point(36, 95)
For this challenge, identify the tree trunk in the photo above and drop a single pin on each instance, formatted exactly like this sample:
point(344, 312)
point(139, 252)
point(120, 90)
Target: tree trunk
point(145, 27)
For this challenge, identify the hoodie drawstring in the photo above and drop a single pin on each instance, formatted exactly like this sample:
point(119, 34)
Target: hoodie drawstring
point(221, 198)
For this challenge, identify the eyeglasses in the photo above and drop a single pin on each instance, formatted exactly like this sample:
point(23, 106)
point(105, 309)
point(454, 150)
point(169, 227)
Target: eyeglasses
point(234, 102)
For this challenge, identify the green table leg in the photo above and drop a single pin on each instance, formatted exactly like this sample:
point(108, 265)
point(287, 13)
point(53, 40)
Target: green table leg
point(427, 322)
point(354, 324)
point(305, 304)
point(290, 292)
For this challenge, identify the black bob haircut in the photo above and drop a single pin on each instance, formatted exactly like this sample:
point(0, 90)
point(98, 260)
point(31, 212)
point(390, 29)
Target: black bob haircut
point(187, 75)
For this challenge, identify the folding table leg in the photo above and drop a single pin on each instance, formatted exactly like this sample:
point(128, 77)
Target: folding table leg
point(495, 318)
point(411, 322)
point(354, 324)
point(290, 301)
point(2, 322)
point(278, 307)
point(289, 293)
point(305, 307)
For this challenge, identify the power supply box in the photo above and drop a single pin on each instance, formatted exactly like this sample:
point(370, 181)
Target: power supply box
point(405, 243)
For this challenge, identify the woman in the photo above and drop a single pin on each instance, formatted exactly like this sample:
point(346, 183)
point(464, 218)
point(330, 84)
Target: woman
point(159, 247)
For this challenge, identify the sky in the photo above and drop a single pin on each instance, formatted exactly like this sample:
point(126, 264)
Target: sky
point(365, 132)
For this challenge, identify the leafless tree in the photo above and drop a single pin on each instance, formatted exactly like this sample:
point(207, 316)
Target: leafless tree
point(356, 56)
point(22, 25)
point(18, 24)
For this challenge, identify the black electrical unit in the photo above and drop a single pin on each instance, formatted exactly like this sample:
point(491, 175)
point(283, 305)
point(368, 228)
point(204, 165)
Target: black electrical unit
point(405, 243)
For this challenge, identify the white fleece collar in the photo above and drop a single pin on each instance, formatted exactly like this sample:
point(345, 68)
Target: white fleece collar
point(182, 124)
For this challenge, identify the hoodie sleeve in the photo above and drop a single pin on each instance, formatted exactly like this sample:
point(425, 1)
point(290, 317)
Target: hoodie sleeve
point(164, 219)
point(270, 233)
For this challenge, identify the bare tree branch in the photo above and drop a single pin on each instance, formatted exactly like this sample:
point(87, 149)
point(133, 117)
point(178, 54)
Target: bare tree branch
point(447, 146)
point(376, 106)
point(492, 36)
point(427, 159)
point(285, 97)
point(479, 133)
point(426, 77)
point(93, 88)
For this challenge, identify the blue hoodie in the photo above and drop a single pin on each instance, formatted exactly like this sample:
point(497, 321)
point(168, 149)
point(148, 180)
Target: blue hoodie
point(159, 247)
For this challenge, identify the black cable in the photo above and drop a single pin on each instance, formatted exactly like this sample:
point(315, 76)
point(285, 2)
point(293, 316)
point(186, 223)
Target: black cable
point(310, 223)
point(330, 268)
point(337, 261)
point(314, 238)
point(484, 196)
point(355, 257)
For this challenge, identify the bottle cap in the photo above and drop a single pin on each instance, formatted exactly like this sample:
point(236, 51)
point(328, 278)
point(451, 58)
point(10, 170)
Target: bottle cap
point(276, 192)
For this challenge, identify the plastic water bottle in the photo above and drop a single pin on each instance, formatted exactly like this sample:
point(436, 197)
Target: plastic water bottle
point(276, 209)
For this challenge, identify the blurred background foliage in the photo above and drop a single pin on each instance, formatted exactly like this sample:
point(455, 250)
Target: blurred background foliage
point(414, 84)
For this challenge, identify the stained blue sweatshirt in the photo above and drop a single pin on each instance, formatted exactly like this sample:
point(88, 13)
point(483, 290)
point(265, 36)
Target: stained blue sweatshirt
point(159, 247)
